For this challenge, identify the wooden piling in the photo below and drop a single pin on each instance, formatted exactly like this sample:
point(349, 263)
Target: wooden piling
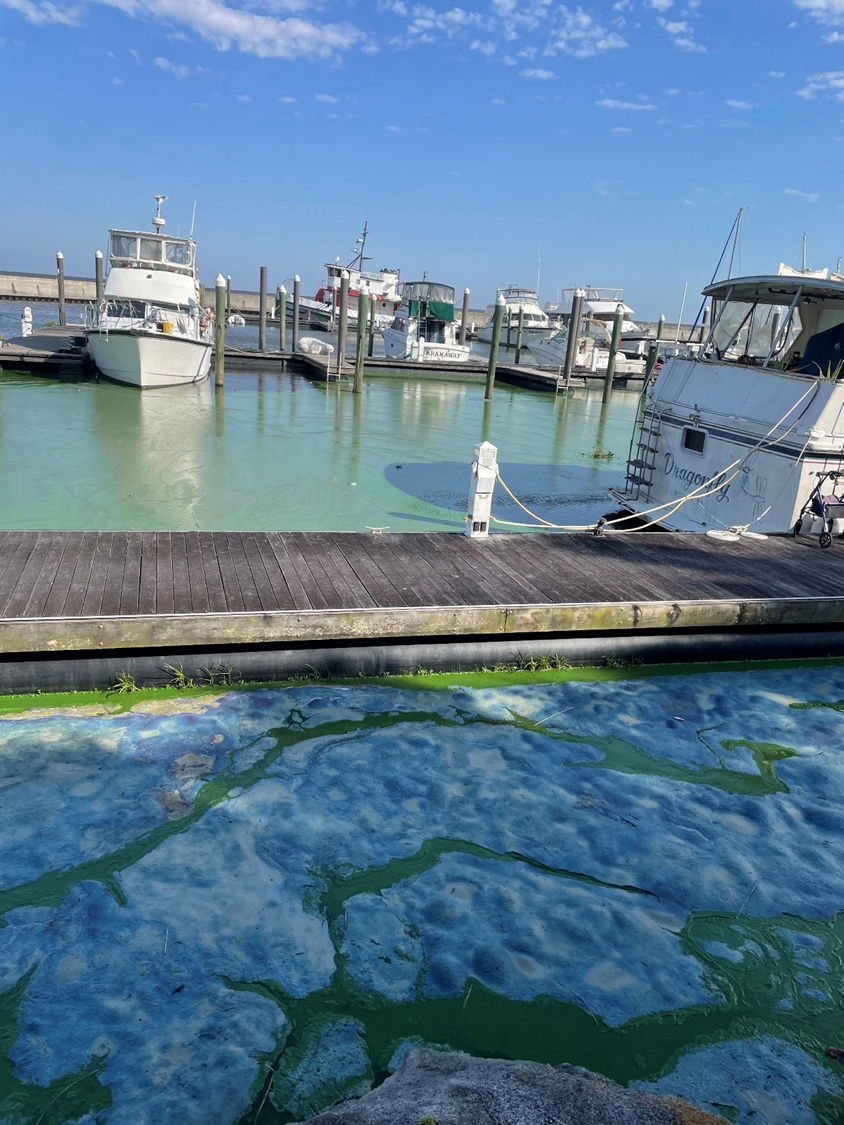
point(294, 343)
point(617, 324)
point(519, 333)
point(373, 309)
point(497, 321)
point(228, 296)
point(262, 311)
point(282, 318)
point(98, 273)
point(464, 319)
point(660, 328)
point(573, 333)
point(360, 348)
point(220, 331)
point(60, 275)
point(343, 326)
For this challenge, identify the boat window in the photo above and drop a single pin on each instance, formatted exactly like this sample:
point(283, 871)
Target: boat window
point(124, 246)
point(126, 310)
point(150, 250)
point(178, 253)
point(829, 318)
point(694, 440)
point(747, 329)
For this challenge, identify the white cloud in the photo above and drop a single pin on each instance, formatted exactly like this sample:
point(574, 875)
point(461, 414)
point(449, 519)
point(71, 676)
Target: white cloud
point(326, 98)
point(739, 105)
point(176, 71)
point(682, 34)
point(136, 56)
point(225, 27)
point(497, 101)
point(830, 13)
point(485, 47)
point(243, 97)
point(117, 81)
point(612, 103)
point(777, 73)
point(393, 129)
point(538, 72)
point(288, 101)
point(621, 129)
point(662, 5)
point(831, 82)
point(579, 34)
point(809, 196)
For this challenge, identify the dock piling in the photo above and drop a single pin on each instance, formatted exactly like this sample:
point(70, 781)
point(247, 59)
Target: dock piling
point(497, 321)
point(282, 317)
point(464, 319)
point(220, 331)
point(98, 273)
point(573, 333)
point(262, 311)
point(228, 295)
point(519, 333)
point(373, 308)
point(660, 328)
point(60, 275)
point(294, 343)
point(360, 349)
point(617, 324)
point(343, 326)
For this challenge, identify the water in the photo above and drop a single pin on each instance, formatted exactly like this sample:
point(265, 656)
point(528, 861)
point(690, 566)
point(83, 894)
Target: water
point(641, 875)
point(275, 451)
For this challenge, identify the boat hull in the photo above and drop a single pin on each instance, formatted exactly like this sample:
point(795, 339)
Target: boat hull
point(397, 345)
point(141, 359)
point(509, 336)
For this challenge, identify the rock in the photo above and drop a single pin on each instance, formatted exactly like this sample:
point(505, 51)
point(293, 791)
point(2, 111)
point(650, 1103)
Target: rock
point(456, 1089)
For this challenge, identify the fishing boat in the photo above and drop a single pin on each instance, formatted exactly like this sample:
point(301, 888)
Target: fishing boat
point(423, 328)
point(749, 433)
point(517, 302)
point(592, 355)
point(384, 285)
point(149, 328)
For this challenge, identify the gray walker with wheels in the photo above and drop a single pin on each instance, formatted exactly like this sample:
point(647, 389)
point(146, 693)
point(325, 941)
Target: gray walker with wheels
point(823, 506)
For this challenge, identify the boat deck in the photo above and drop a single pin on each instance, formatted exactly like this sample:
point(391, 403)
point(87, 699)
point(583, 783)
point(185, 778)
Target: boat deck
point(96, 590)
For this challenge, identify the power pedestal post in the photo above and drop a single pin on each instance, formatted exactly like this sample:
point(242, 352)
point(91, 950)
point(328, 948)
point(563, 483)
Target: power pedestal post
point(484, 473)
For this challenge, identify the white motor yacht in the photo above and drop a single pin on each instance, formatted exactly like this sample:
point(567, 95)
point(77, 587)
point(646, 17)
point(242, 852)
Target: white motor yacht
point(424, 327)
point(592, 355)
point(535, 323)
point(149, 328)
point(749, 433)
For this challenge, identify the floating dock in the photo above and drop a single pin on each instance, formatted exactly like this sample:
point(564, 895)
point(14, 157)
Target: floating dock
point(78, 607)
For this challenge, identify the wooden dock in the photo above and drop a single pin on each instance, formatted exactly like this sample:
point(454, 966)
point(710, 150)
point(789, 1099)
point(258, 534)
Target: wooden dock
point(90, 592)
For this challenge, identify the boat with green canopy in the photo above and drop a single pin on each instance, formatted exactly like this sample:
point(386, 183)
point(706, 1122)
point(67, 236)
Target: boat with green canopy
point(424, 328)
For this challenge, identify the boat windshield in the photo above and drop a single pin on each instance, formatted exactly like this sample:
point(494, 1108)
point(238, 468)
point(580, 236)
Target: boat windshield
point(749, 331)
point(150, 251)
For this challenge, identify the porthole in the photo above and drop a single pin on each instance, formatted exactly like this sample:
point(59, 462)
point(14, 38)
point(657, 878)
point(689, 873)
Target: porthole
point(694, 440)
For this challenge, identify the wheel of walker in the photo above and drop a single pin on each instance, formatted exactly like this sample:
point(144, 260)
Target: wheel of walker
point(795, 531)
point(825, 539)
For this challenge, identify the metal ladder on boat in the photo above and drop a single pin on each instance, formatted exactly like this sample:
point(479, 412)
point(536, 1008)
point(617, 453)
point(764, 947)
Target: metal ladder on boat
point(640, 468)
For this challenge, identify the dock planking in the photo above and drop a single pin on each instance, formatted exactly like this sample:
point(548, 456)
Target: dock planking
point(90, 590)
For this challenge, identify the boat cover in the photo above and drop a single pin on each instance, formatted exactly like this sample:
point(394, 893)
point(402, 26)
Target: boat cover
point(824, 353)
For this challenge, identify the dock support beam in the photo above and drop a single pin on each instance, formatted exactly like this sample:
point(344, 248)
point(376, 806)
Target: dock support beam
point(497, 321)
point(464, 319)
point(343, 326)
point(360, 349)
point(262, 311)
point(519, 333)
point(282, 318)
point(617, 324)
point(294, 343)
point(98, 273)
point(60, 275)
point(574, 333)
point(220, 331)
point(484, 474)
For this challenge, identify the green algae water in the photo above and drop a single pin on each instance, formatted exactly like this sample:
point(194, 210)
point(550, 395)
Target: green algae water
point(243, 905)
point(275, 451)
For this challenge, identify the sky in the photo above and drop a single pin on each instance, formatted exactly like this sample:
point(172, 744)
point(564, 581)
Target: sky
point(612, 142)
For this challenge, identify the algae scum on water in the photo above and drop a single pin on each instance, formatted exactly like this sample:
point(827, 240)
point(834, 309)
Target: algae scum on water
point(247, 905)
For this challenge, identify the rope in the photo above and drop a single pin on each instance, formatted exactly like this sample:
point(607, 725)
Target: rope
point(674, 505)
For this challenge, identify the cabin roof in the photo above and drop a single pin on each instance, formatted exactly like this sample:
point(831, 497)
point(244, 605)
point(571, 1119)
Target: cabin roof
point(150, 234)
point(772, 289)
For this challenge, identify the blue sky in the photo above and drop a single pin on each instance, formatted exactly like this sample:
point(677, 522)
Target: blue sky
point(622, 137)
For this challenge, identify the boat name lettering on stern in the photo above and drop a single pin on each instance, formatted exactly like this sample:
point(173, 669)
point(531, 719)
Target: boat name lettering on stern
point(692, 479)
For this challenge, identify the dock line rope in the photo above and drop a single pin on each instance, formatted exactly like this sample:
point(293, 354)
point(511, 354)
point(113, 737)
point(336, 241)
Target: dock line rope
point(674, 505)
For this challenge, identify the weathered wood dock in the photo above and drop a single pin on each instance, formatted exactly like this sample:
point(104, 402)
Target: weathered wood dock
point(118, 595)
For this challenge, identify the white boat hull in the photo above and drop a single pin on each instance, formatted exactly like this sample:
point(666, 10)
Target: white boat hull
point(397, 345)
point(145, 359)
point(509, 336)
point(552, 353)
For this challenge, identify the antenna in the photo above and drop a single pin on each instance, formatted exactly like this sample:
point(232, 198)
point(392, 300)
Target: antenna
point(192, 220)
point(737, 225)
point(803, 265)
point(680, 320)
point(158, 222)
